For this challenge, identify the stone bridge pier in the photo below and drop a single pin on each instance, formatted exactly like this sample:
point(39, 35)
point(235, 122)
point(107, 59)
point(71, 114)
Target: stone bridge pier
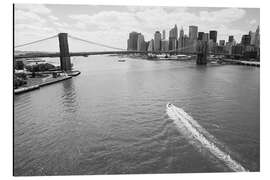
point(65, 63)
point(202, 52)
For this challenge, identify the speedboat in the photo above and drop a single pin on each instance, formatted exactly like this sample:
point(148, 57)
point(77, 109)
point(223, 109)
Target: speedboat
point(169, 105)
point(168, 58)
point(121, 60)
point(183, 57)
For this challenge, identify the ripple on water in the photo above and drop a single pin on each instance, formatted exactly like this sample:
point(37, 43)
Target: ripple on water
point(111, 119)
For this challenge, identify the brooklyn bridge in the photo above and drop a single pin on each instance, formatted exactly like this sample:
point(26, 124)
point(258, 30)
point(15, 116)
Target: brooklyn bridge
point(201, 51)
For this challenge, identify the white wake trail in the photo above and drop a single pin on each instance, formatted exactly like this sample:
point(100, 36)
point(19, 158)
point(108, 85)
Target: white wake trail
point(190, 128)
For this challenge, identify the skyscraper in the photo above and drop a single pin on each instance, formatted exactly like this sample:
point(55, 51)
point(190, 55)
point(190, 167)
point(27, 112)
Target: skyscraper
point(186, 44)
point(163, 34)
point(205, 37)
point(141, 46)
point(193, 37)
point(157, 41)
point(231, 38)
point(252, 37)
point(200, 35)
point(132, 41)
point(230, 44)
point(257, 37)
point(164, 45)
point(173, 35)
point(213, 35)
point(181, 39)
point(147, 45)
point(222, 42)
point(212, 45)
point(151, 46)
point(193, 33)
point(245, 40)
point(237, 49)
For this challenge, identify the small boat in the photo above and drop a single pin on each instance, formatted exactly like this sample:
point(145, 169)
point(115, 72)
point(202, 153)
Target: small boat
point(213, 62)
point(35, 60)
point(168, 58)
point(169, 105)
point(183, 57)
point(73, 73)
point(121, 60)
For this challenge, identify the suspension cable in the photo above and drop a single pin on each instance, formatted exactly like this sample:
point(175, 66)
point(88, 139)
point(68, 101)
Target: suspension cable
point(192, 45)
point(95, 43)
point(21, 45)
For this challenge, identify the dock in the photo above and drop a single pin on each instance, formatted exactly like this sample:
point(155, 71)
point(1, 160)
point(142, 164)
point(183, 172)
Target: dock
point(238, 62)
point(73, 73)
point(34, 87)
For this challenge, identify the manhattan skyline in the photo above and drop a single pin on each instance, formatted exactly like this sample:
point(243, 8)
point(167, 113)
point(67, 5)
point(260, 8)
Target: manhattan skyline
point(112, 24)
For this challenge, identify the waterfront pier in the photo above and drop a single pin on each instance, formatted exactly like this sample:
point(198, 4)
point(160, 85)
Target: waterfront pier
point(239, 62)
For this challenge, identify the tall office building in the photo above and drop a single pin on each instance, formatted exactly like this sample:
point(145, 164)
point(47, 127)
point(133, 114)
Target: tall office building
point(163, 34)
point(128, 44)
point(213, 35)
point(205, 37)
point(181, 39)
point(157, 41)
point(200, 35)
point(222, 42)
point(211, 45)
point(132, 41)
point(230, 44)
point(193, 33)
point(146, 45)
point(252, 37)
point(164, 45)
point(257, 37)
point(238, 49)
point(141, 46)
point(174, 44)
point(173, 35)
point(151, 46)
point(231, 38)
point(245, 40)
point(193, 37)
point(228, 47)
point(186, 44)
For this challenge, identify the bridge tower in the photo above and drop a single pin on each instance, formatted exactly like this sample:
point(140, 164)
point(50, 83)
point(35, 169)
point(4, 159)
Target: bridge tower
point(202, 52)
point(65, 63)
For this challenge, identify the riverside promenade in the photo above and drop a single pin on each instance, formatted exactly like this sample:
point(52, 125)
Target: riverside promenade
point(247, 63)
point(42, 82)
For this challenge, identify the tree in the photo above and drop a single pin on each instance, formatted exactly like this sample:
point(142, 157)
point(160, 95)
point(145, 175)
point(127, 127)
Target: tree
point(19, 80)
point(40, 67)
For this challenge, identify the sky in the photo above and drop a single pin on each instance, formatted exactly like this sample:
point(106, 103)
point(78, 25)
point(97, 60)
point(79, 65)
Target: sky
point(111, 25)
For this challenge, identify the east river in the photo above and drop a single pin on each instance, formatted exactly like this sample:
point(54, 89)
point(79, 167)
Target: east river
point(111, 119)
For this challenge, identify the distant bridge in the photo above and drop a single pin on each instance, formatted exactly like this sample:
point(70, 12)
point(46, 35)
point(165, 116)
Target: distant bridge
point(71, 54)
point(64, 54)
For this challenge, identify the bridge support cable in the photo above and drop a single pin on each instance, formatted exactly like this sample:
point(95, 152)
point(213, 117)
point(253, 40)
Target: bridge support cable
point(181, 49)
point(95, 43)
point(37, 41)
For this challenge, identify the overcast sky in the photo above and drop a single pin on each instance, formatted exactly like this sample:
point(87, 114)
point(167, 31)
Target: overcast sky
point(111, 24)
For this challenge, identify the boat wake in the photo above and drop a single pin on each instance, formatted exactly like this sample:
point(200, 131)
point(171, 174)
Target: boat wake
point(199, 137)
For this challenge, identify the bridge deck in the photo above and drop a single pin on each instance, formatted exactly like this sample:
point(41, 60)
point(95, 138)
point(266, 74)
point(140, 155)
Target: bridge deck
point(42, 55)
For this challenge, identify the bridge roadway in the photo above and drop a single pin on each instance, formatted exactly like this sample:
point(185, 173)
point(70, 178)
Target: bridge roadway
point(56, 54)
point(35, 55)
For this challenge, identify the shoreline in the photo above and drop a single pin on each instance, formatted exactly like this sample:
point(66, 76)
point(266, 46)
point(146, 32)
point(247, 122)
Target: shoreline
point(225, 60)
point(41, 84)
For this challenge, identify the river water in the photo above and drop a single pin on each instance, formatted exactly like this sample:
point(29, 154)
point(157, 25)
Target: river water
point(111, 119)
